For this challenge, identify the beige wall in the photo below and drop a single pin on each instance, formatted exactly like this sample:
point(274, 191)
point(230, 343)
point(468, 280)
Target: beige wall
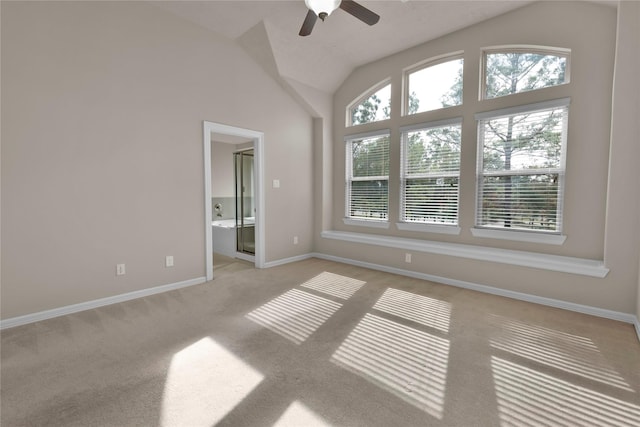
point(589, 30)
point(102, 109)
point(222, 172)
point(320, 106)
point(623, 207)
point(625, 124)
point(102, 157)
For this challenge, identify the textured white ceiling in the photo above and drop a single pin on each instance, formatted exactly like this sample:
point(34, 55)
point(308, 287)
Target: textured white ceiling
point(341, 43)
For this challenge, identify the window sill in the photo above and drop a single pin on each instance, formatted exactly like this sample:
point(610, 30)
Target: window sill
point(519, 236)
point(366, 223)
point(581, 266)
point(428, 228)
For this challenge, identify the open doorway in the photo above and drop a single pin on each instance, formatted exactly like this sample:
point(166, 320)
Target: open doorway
point(241, 140)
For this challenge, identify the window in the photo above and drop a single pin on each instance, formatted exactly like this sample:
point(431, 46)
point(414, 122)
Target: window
point(521, 165)
point(508, 71)
point(372, 107)
point(367, 183)
point(434, 86)
point(430, 173)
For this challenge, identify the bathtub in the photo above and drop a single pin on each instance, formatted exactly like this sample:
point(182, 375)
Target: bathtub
point(224, 223)
point(224, 235)
point(231, 223)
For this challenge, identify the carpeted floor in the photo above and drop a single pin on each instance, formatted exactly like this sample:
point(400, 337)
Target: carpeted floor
point(221, 262)
point(321, 343)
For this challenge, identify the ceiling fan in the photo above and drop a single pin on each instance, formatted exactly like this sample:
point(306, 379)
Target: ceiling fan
point(323, 8)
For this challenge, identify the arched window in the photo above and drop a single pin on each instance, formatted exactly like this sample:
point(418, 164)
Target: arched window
point(509, 70)
point(434, 84)
point(374, 106)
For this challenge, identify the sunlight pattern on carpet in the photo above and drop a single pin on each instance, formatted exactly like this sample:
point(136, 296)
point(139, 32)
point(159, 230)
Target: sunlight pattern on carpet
point(407, 362)
point(295, 314)
point(334, 284)
point(297, 415)
point(204, 383)
point(568, 352)
point(527, 397)
point(418, 308)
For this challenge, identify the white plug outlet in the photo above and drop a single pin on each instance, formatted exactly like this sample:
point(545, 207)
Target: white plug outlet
point(407, 257)
point(120, 270)
point(168, 262)
point(295, 240)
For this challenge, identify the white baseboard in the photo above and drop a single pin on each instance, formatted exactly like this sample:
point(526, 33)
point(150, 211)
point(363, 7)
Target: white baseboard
point(594, 311)
point(288, 260)
point(69, 309)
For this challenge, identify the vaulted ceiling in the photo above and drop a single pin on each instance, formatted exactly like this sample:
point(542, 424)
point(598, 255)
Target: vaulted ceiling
point(268, 30)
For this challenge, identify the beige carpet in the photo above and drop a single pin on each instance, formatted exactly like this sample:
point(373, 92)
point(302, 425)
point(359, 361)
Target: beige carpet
point(318, 343)
point(224, 262)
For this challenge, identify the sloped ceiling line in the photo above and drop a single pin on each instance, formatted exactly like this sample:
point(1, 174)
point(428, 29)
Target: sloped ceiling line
point(339, 44)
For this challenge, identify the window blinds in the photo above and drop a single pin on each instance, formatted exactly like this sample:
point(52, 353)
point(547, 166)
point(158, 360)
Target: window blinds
point(430, 174)
point(521, 169)
point(367, 183)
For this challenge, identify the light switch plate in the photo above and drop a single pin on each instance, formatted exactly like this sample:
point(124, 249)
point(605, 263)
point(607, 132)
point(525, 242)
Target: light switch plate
point(120, 270)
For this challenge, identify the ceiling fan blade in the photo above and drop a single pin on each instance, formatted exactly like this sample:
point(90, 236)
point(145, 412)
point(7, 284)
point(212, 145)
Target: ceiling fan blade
point(360, 12)
point(308, 23)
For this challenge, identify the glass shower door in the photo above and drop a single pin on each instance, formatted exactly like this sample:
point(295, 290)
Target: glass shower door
point(245, 205)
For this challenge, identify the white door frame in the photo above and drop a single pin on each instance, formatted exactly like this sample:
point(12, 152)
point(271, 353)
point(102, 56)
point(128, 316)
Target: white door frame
point(258, 159)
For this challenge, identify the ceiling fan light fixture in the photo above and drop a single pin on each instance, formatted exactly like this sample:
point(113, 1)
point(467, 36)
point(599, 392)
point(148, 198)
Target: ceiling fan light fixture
point(323, 8)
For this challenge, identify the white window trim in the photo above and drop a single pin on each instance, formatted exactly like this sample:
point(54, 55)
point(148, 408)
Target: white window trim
point(532, 236)
point(580, 266)
point(377, 223)
point(526, 48)
point(373, 223)
point(433, 124)
point(365, 95)
point(365, 135)
point(435, 60)
point(543, 50)
point(421, 226)
point(519, 236)
point(525, 108)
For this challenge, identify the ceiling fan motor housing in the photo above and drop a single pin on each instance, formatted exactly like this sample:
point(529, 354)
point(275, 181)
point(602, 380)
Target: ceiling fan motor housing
point(323, 8)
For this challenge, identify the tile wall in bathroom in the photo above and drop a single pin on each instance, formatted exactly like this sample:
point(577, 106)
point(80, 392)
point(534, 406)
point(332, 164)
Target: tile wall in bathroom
point(227, 208)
